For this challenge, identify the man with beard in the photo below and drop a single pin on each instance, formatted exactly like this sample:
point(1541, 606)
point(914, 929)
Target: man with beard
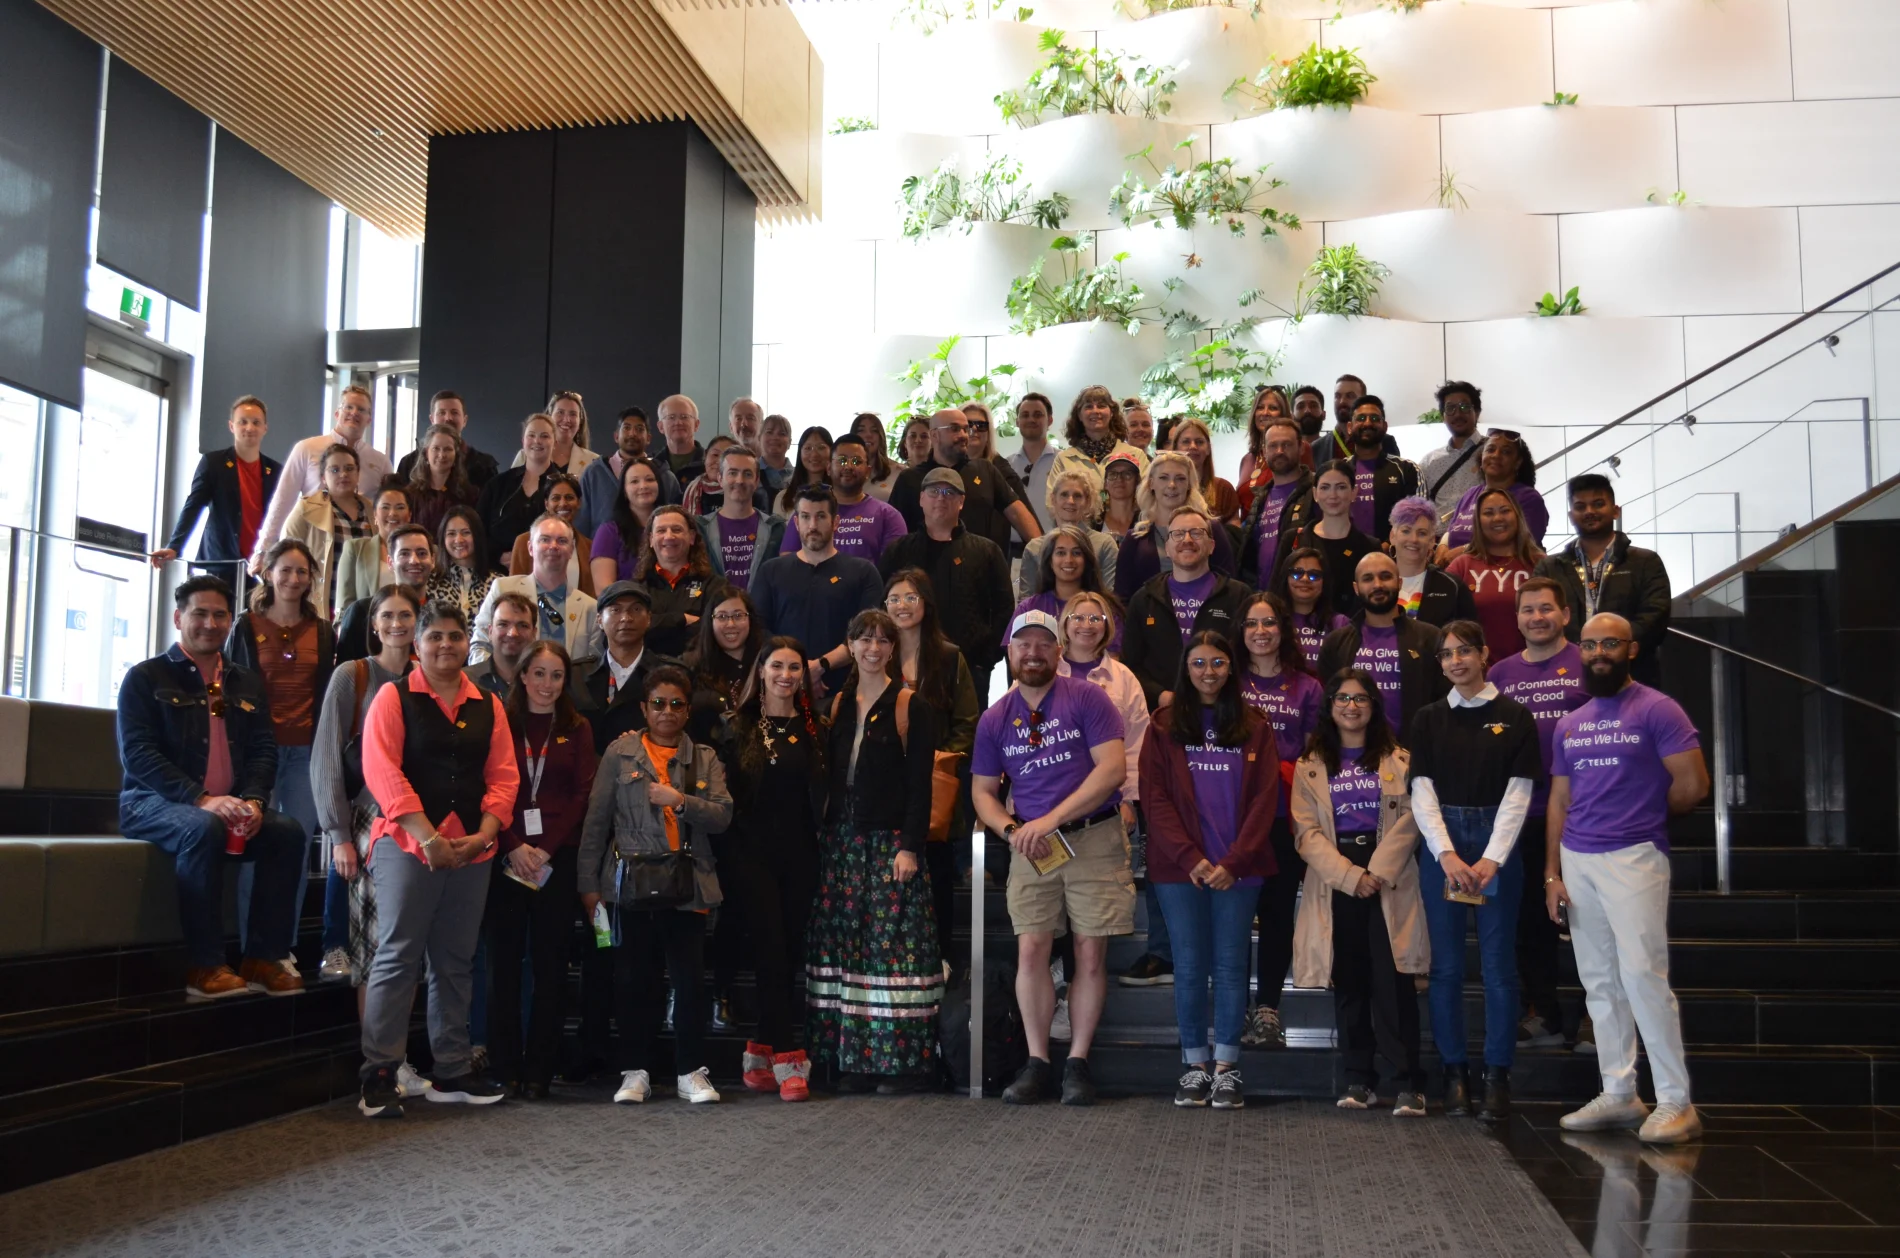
point(745, 419)
point(865, 526)
point(603, 479)
point(1399, 652)
point(1623, 764)
point(1309, 412)
point(1379, 479)
point(510, 634)
point(1175, 605)
point(1601, 572)
point(1446, 473)
point(1036, 458)
point(412, 561)
point(740, 535)
point(990, 507)
point(1283, 510)
point(1058, 742)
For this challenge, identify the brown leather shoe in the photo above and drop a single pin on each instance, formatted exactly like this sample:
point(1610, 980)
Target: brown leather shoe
point(269, 977)
point(214, 983)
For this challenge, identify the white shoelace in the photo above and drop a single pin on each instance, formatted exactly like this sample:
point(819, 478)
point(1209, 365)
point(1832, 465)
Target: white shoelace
point(1197, 1079)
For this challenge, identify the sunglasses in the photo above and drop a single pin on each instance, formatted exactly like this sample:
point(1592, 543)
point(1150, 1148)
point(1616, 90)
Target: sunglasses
point(1305, 574)
point(666, 705)
point(979, 425)
point(214, 693)
point(1035, 727)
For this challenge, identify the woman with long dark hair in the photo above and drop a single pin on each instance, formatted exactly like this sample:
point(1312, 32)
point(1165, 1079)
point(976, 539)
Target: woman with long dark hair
point(778, 778)
point(328, 520)
point(439, 479)
point(1339, 542)
point(564, 504)
point(913, 443)
point(1361, 928)
point(874, 979)
point(1506, 462)
point(678, 576)
point(725, 648)
point(531, 899)
point(462, 575)
point(621, 539)
point(811, 466)
point(1270, 406)
point(1502, 555)
point(1302, 582)
point(1070, 566)
point(1211, 770)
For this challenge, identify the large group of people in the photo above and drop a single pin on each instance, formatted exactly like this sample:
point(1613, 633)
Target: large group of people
point(726, 705)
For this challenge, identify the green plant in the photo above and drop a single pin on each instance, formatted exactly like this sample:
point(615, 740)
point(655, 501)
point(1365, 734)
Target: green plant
point(934, 387)
point(1023, 13)
point(1404, 6)
point(1214, 382)
point(1344, 283)
point(845, 126)
point(995, 193)
point(1073, 81)
point(1450, 195)
point(1148, 8)
point(1550, 306)
point(1562, 98)
point(1318, 76)
point(930, 16)
point(1207, 190)
point(1082, 293)
point(1678, 197)
point(1433, 416)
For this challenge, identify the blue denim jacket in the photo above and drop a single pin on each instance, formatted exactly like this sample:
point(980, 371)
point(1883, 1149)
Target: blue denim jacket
point(165, 730)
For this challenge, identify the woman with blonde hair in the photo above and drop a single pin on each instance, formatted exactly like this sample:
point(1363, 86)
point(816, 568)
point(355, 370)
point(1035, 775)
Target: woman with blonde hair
point(1170, 483)
point(569, 413)
point(1074, 500)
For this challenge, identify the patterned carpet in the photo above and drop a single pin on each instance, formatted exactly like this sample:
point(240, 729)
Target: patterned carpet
point(891, 1177)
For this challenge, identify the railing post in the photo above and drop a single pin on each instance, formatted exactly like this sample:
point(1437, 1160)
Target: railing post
point(1719, 735)
point(978, 841)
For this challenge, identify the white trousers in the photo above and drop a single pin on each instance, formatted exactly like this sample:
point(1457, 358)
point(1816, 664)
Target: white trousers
point(1619, 927)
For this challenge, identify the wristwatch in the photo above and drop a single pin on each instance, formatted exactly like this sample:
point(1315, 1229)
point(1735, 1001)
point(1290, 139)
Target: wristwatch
point(1012, 828)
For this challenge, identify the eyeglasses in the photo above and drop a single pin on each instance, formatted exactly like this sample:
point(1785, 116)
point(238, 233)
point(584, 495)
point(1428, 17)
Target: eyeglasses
point(1215, 664)
point(731, 618)
point(852, 461)
point(1352, 701)
point(1595, 646)
point(1188, 535)
point(1256, 622)
point(979, 425)
point(951, 428)
point(1085, 618)
point(1458, 652)
point(901, 600)
point(1305, 574)
point(214, 692)
point(1035, 727)
point(1460, 408)
point(666, 705)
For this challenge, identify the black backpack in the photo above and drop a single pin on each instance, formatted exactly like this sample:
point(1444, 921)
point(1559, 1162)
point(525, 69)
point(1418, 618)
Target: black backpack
point(1005, 1047)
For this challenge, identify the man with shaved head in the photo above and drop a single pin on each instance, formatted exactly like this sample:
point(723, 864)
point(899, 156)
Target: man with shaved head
point(678, 419)
point(1400, 652)
point(1623, 764)
point(990, 506)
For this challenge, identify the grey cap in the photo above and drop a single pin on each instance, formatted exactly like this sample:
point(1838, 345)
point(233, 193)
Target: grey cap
point(943, 476)
point(624, 589)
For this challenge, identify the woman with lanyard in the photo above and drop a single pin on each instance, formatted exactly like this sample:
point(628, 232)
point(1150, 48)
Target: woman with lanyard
point(362, 566)
point(293, 649)
point(1212, 770)
point(1339, 542)
point(657, 793)
point(1361, 929)
point(1499, 559)
point(1074, 498)
point(1475, 763)
point(1426, 593)
point(439, 480)
point(518, 496)
point(1069, 568)
point(564, 504)
point(462, 575)
point(873, 976)
point(1302, 583)
point(621, 538)
point(1507, 464)
point(328, 520)
point(1277, 683)
point(778, 792)
point(882, 476)
point(531, 898)
point(1171, 483)
point(440, 763)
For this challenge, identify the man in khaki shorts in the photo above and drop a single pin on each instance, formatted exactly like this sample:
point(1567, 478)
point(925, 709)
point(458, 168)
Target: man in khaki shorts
point(1057, 743)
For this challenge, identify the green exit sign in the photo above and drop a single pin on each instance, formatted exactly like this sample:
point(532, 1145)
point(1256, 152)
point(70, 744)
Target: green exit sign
point(135, 305)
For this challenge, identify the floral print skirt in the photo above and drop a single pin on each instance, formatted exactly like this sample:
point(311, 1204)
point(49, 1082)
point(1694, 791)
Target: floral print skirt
point(873, 978)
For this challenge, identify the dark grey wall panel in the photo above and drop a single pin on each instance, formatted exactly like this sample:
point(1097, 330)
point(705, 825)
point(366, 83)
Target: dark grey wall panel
point(735, 296)
point(265, 300)
point(485, 279)
point(152, 185)
point(49, 124)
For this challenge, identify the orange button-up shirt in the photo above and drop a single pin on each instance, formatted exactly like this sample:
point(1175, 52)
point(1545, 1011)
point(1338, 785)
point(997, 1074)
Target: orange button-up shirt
point(383, 734)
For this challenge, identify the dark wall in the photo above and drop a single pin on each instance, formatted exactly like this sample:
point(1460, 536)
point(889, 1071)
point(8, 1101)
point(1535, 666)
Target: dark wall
point(152, 185)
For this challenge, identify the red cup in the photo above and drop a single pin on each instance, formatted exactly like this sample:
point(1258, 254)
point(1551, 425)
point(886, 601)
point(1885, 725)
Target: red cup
point(234, 842)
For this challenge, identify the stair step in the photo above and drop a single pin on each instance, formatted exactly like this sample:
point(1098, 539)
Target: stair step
point(1785, 869)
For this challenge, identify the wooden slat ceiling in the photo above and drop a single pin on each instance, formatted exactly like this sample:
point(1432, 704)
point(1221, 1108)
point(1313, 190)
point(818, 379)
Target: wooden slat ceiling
point(346, 93)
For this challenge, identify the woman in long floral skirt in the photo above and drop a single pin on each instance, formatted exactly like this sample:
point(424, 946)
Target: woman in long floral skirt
point(873, 975)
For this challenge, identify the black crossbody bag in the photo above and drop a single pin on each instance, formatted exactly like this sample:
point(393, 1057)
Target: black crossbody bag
point(659, 880)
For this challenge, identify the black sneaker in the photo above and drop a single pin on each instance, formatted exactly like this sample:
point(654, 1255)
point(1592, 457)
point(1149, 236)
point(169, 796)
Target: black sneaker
point(1227, 1094)
point(853, 1082)
point(1030, 1083)
point(468, 1089)
point(1078, 1085)
point(1148, 970)
point(1357, 1096)
point(1196, 1086)
point(380, 1098)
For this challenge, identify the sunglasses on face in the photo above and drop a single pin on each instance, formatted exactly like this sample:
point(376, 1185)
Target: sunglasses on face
point(979, 425)
point(1305, 574)
point(1216, 664)
point(666, 705)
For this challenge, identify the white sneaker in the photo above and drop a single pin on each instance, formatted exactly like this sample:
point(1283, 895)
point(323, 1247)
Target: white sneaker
point(336, 967)
point(410, 1084)
point(1671, 1123)
point(634, 1087)
point(1059, 1025)
point(697, 1088)
point(1608, 1112)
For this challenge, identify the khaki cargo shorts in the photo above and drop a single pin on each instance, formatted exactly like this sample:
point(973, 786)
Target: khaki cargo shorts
point(1093, 894)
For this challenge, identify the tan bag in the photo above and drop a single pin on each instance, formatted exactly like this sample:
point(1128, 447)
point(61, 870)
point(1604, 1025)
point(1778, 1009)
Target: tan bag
point(944, 782)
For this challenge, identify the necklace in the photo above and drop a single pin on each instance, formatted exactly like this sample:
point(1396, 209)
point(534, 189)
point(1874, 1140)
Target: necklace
point(768, 732)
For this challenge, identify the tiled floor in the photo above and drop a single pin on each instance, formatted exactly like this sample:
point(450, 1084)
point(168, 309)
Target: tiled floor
point(1765, 1180)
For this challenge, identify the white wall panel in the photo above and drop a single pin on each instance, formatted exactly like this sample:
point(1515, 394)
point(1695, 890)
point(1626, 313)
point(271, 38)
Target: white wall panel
point(1806, 153)
point(1673, 52)
point(1545, 159)
point(805, 278)
point(1841, 245)
point(1694, 260)
point(1062, 361)
point(1845, 48)
point(1228, 266)
point(1451, 58)
point(1209, 48)
point(1450, 264)
point(1068, 15)
point(1402, 362)
point(1085, 157)
point(1785, 379)
point(1340, 163)
point(1582, 370)
point(948, 81)
point(826, 380)
point(864, 172)
point(952, 282)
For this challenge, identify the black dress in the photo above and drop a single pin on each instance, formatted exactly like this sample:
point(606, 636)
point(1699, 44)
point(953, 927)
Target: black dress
point(771, 866)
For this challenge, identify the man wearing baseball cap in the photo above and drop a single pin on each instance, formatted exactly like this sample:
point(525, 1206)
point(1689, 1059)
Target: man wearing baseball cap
point(1047, 775)
point(609, 691)
point(969, 574)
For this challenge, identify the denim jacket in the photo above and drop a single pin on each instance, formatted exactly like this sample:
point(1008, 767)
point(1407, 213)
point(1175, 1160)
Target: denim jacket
point(165, 730)
point(620, 820)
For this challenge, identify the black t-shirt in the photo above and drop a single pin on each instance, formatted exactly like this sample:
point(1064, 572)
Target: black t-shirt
point(986, 495)
point(1471, 754)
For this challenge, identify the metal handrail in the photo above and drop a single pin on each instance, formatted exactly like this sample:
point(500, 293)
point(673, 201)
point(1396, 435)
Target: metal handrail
point(1789, 673)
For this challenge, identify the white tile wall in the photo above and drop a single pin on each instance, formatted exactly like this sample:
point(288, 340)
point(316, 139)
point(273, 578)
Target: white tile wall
point(1546, 159)
point(1585, 370)
point(1402, 362)
point(1209, 48)
point(952, 282)
point(1451, 58)
point(1841, 245)
point(865, 170)
point(948, 81)
point(1804, 377)
point(1394, 163)
point(1064, 360)
point(1085, 157)
point(1673, 52)
point(825, 380)
point(1794, 153)
point(1452, 264)
point(1694, 260)
point(1227, 267)
point(1845, 48)
point(805, 277)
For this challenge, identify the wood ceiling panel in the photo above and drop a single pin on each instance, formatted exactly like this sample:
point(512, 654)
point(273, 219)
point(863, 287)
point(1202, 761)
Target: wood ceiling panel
point(345, 93)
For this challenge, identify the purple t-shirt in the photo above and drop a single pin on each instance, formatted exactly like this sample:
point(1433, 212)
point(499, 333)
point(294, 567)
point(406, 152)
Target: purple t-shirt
point(864, 529)
point(1312, 628)
point(737, 540)
point(1216, 772)
point(1364, 507)
point(1270, 514)
point(1187, 597)
point(1612, 750)
point(1355, 791)
point(607, 545)
point(1049, 601)
point(1550, 689)
point(1289, 702)
point(1379, 655)
point(1045, 761)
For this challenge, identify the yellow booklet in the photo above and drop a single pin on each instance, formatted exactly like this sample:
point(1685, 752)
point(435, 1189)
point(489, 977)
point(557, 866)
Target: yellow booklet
point(1060, 854)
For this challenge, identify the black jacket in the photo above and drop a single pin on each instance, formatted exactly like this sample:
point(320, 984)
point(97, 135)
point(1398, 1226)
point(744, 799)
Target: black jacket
point(165, 730)
point(241, 649)
point(1138, 557)
point(1151, 640)
point(1636, 587)
point(891, 788)
point(1421, 680)
point(481, 468)
point(1340, 560)
point(626, 712)
point(986, 496)
point(1299, 511)
point(668, 633)
point(971, 581)
point(1444, 599)
point(507, 513)
point(215, 486)
point(1392, 479)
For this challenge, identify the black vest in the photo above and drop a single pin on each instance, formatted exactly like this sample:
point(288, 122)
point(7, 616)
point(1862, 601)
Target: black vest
point(444, 760)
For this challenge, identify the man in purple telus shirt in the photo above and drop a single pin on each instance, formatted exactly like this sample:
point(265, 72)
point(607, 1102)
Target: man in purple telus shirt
point(1622, 764)
point(1380, 478)
point(1401, 653)
point(866, 526)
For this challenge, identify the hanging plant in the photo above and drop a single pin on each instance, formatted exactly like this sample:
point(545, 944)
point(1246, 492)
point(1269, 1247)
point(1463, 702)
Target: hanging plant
point(934, 387)
point(1082, 294)
point(995, 193)
point(1550, 306)
point(1318, 76)
point(1202, 191)
point(1073, 81)
point(847, 126)
point(1344, 282)
point(1149, 8)
point(1215, 382)
point(930, 16)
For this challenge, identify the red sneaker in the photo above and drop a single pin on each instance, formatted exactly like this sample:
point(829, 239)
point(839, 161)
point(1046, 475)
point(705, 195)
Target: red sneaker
point(757, 1066)
point(793, 1072)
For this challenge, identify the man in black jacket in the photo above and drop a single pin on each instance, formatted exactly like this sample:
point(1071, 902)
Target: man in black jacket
point(990, 508)
point(1379, 478)
point(1280, 508)
point(235, 484)
point(609, 694)
point(1601, 572)
point(969, 574)
point(447, 408)
point(1176, 605)
point(1401, 653)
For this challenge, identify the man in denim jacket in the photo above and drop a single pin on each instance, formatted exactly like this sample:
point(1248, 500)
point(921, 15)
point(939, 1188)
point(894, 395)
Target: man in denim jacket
point(199, 757)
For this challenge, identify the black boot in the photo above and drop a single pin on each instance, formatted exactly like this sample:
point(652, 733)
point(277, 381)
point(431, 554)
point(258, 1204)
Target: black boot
point(1497, 1095)
point(1457, 1091)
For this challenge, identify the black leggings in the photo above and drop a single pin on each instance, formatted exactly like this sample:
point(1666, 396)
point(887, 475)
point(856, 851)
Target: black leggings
point(656, 944)
point(1538, 947)
point(775, 894)
point(541, 923)
point(1279, 898)
point(1372, 1001)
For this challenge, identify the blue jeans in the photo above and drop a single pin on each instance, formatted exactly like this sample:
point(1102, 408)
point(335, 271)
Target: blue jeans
point(1160, 937)
point(1213, 935)
point(291, 796)
point(1448, 921)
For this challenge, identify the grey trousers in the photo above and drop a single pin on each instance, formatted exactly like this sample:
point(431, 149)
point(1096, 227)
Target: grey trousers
point(420, 914)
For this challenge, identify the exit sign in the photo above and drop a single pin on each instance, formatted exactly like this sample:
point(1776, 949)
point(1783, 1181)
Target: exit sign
point(134, 306)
